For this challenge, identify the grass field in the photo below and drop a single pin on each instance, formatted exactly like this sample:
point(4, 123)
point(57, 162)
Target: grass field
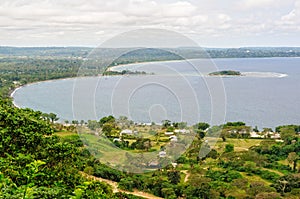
point(64, 133)
point(239, 144)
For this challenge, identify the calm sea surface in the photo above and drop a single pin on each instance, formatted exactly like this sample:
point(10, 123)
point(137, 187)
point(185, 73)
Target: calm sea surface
point(267, 96)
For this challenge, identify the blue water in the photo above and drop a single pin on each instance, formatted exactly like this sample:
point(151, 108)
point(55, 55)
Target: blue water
point(179, 91)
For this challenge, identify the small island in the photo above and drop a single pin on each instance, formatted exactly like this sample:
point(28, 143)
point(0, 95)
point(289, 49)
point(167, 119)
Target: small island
point(226, 73)
point(124, 72)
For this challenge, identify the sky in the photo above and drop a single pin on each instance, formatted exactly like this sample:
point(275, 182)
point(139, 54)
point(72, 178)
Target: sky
point(210, 23)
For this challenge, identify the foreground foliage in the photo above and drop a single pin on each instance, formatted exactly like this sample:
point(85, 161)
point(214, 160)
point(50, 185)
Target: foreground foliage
point(34, 163)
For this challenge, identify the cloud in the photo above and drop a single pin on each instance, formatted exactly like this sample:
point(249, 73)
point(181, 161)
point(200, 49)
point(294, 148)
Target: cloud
point(293, 17)
point(256, 3)
point(261, 4)
point(61, 21)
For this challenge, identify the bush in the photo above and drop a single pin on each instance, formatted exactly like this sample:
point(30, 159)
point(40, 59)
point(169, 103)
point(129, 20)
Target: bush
point(226, 176)
point(229, 148)
point(106, 172)
point(126, 184)
point(267, 175)
point(89, 170)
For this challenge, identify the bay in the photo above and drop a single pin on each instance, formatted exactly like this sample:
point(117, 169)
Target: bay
point(268, 96)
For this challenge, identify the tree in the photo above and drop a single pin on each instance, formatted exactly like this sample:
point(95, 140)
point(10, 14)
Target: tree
point(295, 127)
point(266, 130)
point(45, 116)
point(287, 183)
point(293, 158)
point(168, 193)
point(75, 122)
point(166, 123)
point(107, 129)
point(109, 119)
point(147, 144)
point(126, 183)
point(202, 126)
point(229, 148)
point(201, 134)
point(182, 125)
point(22, 130)
point(199, 187)
point(287, 134)
point(259, 187)
point(81, 122)
point(53, 117)
point(236, 124)
point(89, 170)
point(174, 176)
point(141, 143)
point(256, 129)
point(93, 124)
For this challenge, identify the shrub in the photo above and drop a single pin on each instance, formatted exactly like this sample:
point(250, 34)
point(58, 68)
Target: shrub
point(229, 148)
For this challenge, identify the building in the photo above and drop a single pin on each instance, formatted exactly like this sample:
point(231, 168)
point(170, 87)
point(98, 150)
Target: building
point(117, 140)
point(275, 136)
point(256, 135)
point(162, 154)
point(127, 132)
point(173, 138)
point(183, 131)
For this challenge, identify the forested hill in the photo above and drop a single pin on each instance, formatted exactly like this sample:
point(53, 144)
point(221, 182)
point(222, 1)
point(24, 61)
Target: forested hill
point(36, 163)
point(156, 54)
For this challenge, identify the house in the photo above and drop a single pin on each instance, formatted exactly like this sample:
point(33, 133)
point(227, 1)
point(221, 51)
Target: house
point(173, 138)
point(275, 136)
point(127, 132)
point(268, 134)
point(256, 135)
point(183, 131)
point(117, 140)
point(154, 164)
point(162, 154)
point(174, 164)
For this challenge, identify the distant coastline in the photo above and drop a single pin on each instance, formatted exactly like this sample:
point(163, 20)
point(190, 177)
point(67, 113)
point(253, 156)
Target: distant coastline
point(115, 68)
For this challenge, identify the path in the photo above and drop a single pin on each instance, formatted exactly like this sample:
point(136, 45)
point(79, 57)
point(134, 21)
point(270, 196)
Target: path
point(116, 189)
point(187, 175)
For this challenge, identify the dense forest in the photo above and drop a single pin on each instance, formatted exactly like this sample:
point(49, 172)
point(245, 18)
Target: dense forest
point(186, 52)
point(44, 159)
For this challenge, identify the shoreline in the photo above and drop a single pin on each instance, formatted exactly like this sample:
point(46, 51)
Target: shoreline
point(12, 94)
point(37, 82)
point(243, 74)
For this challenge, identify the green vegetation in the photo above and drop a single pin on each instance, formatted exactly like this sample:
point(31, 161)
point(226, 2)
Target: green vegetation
point(40, 158)
point(236, 167)
point(124, 72)
point(225, 73)
point(155, 54)
point(37, 164)
point(16, 71)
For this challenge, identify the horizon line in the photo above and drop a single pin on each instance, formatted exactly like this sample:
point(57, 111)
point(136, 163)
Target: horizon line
point(206, 47)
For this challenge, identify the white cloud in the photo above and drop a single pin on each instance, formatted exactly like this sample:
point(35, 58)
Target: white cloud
point(262, 4)
point(257, 3)
point(292, 17)
point(87, 21)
